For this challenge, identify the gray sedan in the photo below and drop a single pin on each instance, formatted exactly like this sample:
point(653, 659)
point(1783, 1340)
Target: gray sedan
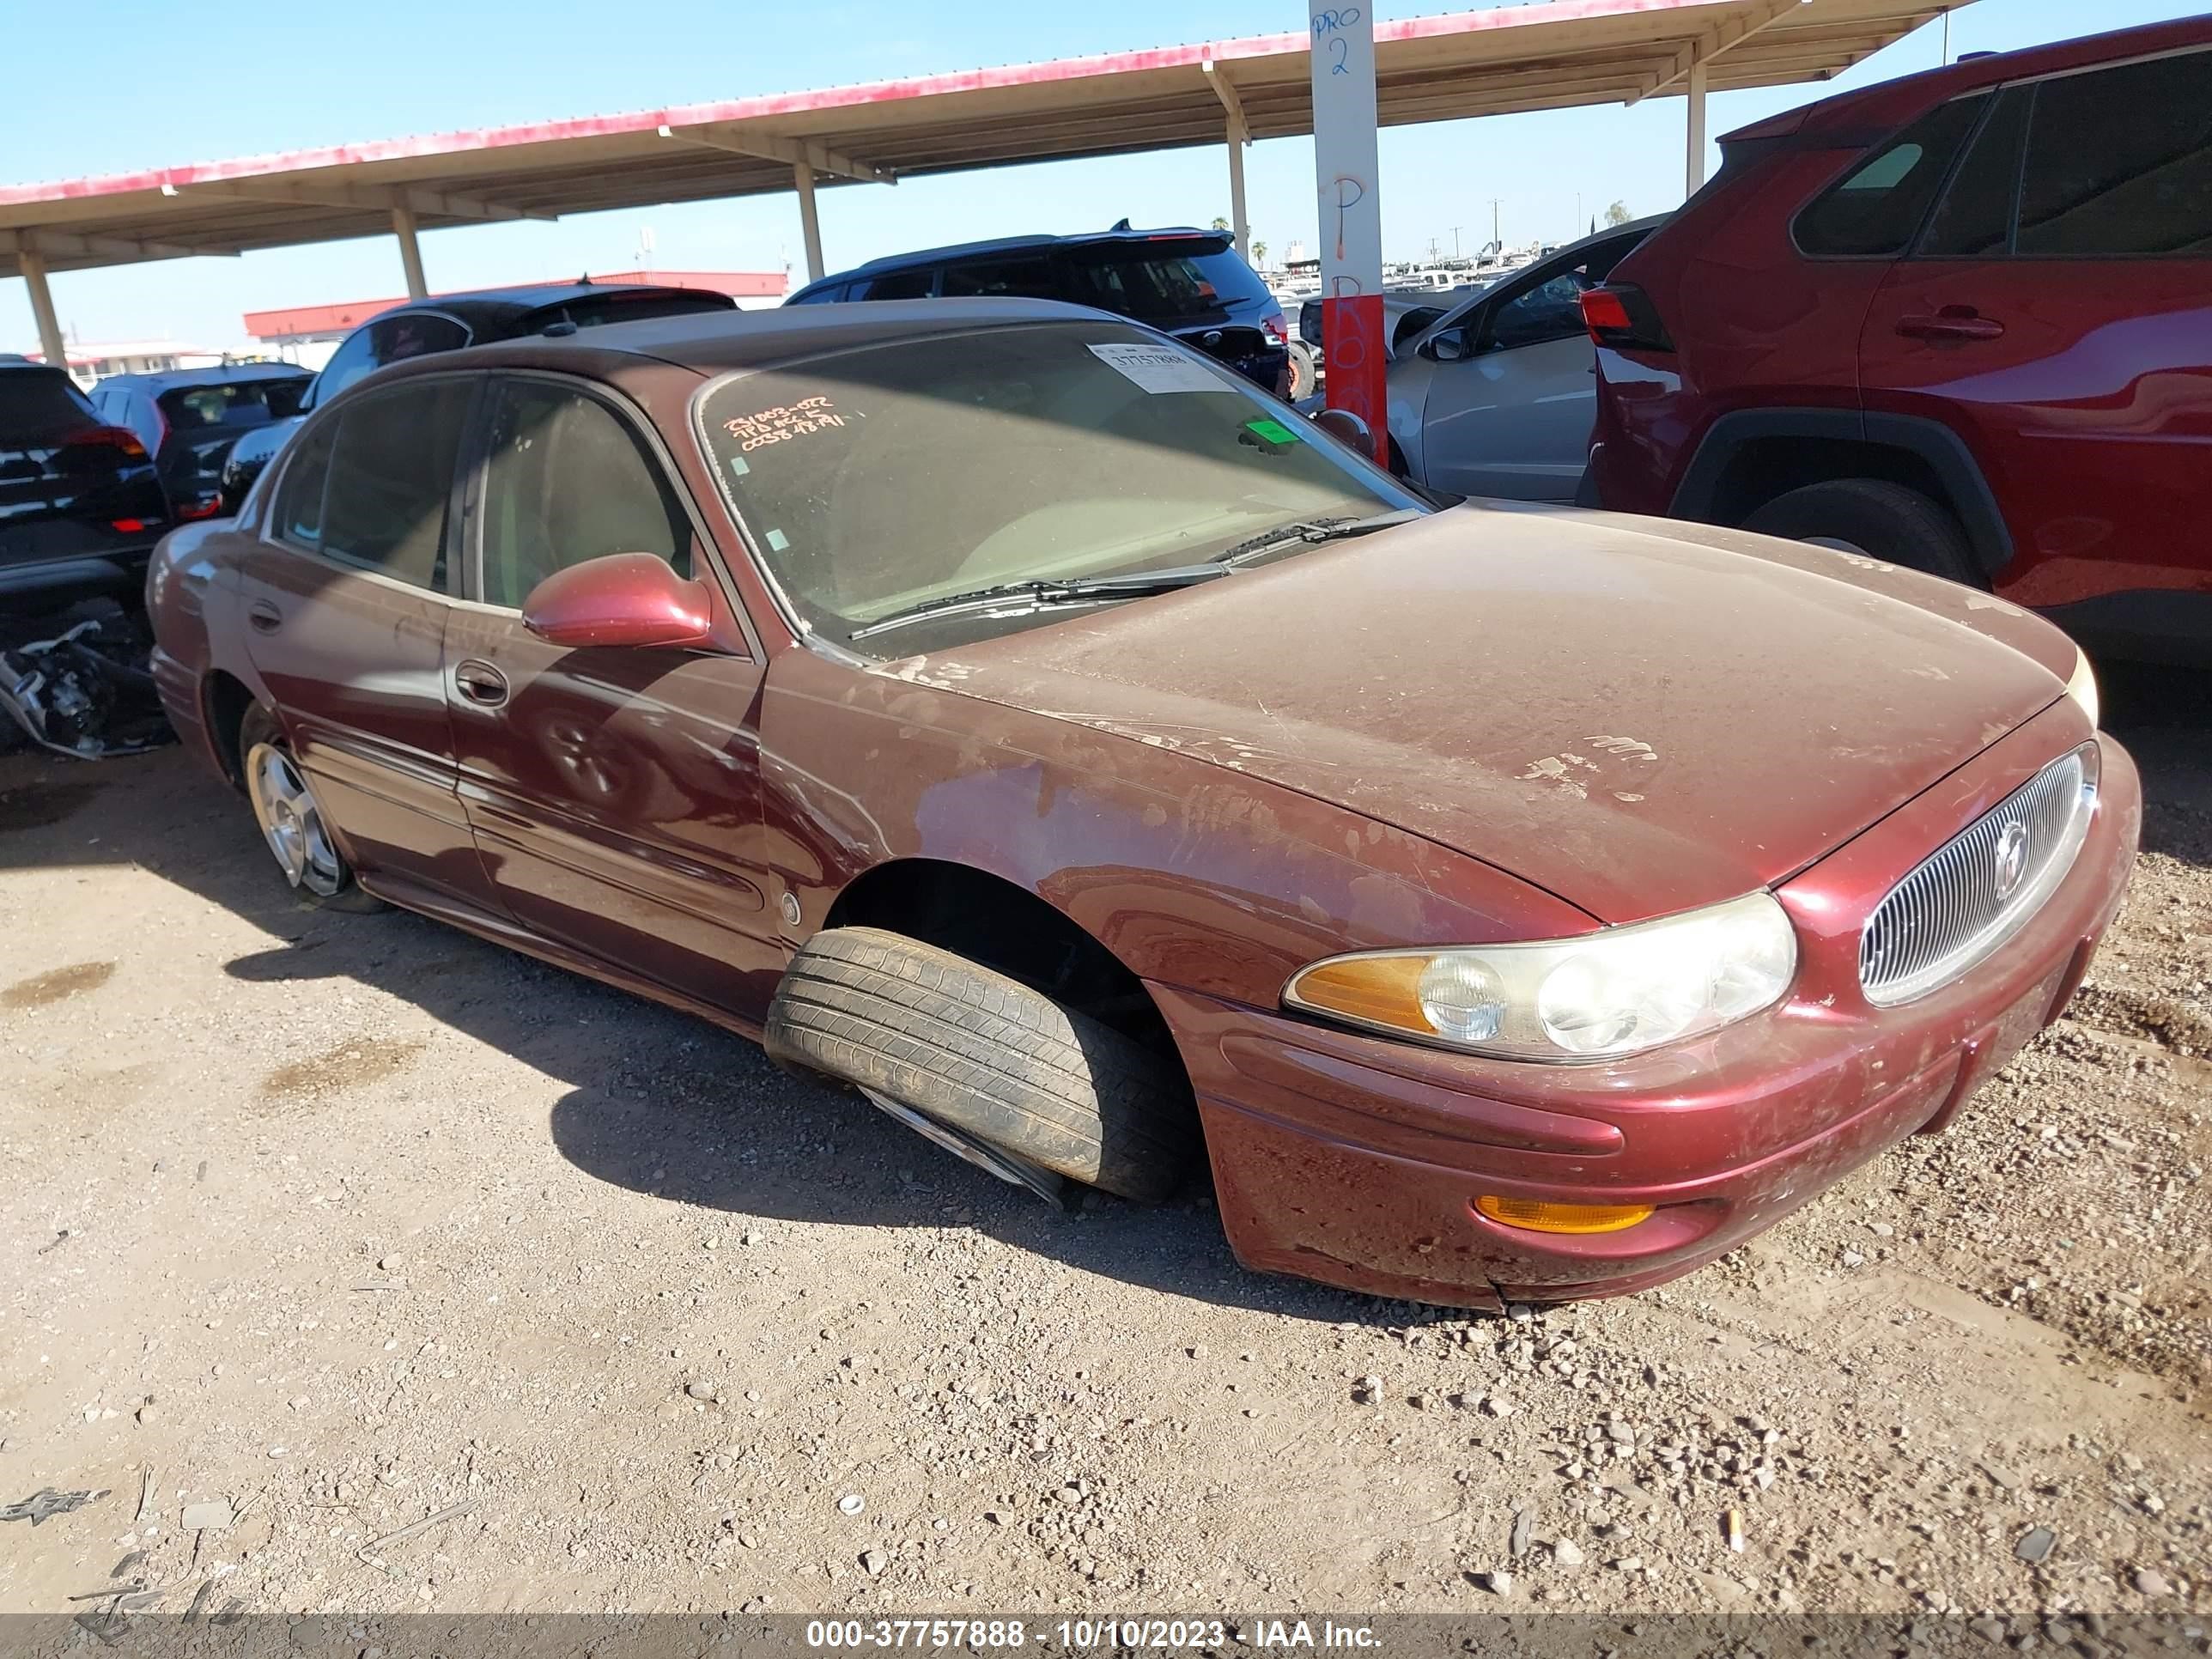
point(1496, 396)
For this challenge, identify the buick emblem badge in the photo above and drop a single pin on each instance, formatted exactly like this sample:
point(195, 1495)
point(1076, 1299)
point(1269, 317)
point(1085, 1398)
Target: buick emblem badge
point(2010, 862)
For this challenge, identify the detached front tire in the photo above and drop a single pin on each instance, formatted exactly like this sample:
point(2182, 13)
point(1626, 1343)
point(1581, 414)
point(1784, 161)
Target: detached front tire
point(1876, 517)
point(291, 820)
point(971, 1048)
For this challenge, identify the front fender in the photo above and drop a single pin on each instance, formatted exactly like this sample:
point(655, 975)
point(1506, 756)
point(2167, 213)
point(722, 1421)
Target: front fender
point(1191, 874)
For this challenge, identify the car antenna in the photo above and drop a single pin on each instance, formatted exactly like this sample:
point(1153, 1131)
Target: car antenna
point(1120, 224)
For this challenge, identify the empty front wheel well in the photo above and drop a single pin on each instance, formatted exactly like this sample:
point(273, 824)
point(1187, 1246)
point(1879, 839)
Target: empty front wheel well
point(989, 920)
point(227, 700)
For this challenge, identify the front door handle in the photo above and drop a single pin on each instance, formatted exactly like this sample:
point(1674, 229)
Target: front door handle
point(1951, 323)
point(265, 618)
point(481, 683)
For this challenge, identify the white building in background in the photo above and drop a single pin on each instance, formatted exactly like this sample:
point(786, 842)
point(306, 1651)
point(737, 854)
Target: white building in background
point(95, 360)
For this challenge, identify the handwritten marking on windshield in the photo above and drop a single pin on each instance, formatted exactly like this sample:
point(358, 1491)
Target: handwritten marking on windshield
point(782, 422)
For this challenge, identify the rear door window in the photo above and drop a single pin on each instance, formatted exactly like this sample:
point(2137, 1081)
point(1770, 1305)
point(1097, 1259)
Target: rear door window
point(391, 477)
point(1974, 219)
point(897, 285)
point(2119, 162)
point(1876, 208)
point(1028, 277)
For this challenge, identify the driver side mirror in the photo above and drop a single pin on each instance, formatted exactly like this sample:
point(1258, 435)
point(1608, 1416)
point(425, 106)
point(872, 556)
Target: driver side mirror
point(622, 600)
point(1347, 428)
point(1453, 345)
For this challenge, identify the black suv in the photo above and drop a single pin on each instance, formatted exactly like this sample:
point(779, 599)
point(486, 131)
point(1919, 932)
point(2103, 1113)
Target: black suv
point(80, 505)
point(450, 321)
point(189, 418)
point(1190, 283)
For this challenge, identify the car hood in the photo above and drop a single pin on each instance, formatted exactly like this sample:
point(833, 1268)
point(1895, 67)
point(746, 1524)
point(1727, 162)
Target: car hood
point(1638, 721)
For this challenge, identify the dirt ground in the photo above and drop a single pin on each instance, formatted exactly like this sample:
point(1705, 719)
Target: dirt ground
point(337, 1222)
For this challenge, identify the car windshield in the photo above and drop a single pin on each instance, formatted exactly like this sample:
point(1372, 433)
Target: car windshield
point(874, 480)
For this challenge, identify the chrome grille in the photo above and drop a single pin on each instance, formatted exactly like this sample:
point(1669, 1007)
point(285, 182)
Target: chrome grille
point(1975, 891)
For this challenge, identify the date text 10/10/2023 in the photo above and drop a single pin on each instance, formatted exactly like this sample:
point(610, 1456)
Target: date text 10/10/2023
point(1079, 1635)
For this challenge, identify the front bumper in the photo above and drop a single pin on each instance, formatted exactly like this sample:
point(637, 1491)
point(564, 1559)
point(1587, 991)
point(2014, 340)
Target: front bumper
point(1355, 1160)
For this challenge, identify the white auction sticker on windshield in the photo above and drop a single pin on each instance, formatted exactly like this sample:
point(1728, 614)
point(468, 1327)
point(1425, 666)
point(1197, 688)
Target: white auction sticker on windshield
point(1159, 368)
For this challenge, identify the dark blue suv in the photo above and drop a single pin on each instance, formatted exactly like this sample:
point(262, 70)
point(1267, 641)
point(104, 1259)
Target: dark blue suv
point(1190, 283)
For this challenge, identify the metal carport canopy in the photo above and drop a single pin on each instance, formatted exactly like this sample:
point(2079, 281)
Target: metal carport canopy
point(1429, 69)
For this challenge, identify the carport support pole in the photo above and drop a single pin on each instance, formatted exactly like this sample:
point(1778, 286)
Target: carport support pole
point(411, 253)
point(52, 347)
point(1236, 143)
point(810, 222)
point(1694, 100)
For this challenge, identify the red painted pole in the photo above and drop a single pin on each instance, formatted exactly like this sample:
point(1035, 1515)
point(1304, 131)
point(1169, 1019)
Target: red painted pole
point(1347, 174)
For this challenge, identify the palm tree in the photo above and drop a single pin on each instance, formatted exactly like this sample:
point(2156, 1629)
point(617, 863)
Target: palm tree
point(1260, 255)
point(1618, 213)
point(1220, 223)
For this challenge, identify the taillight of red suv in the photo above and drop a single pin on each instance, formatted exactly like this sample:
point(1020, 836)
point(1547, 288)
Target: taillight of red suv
point(1621, 314)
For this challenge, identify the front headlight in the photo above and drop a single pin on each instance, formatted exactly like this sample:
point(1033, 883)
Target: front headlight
point(1617, 992)
point(2082, 685)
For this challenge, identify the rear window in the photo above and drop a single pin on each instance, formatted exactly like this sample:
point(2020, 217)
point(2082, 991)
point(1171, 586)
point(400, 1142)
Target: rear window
point(600, 308)
point(1876, 208)
point(41, 406)
point(231, 406)
point(1156, 281)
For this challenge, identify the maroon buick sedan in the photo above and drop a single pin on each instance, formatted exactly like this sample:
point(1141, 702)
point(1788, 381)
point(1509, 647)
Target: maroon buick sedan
point(999, 710)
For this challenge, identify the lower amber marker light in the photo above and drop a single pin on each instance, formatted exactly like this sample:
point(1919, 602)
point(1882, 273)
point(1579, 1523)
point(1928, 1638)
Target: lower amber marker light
point(1539, 1215)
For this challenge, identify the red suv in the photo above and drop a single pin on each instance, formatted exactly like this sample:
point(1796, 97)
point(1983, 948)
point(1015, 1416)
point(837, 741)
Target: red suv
point(1960, 321)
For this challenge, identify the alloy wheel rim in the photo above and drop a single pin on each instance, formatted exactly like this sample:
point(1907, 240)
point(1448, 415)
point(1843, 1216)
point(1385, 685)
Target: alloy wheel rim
point(291, 823)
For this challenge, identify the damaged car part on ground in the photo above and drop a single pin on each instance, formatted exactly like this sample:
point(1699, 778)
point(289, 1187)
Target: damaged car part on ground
point(85, 692)
point(854, 676)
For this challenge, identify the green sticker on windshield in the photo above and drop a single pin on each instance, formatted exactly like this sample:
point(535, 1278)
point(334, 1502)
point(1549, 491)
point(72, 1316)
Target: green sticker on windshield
point(1272, 431)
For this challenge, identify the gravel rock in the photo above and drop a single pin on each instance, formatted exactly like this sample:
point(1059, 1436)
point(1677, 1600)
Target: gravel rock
point(2148, 1582)
point(2035, 1546)
point(874, 1562)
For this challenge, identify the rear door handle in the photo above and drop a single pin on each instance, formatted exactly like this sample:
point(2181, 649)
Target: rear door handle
point(265, 618)
point(481, 683)
point(1951, 323)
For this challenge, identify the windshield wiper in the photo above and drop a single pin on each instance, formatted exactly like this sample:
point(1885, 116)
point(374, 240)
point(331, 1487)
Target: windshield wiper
point(1313, 532)
point(1131, 585)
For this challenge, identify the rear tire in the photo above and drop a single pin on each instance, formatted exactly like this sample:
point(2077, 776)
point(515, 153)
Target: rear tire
point(291, 820)
point(971, 1048)
point(1303, 375)
point(1873, 517)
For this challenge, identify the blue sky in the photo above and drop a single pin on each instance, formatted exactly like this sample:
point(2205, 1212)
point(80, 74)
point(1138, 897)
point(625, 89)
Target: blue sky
point(182, 83)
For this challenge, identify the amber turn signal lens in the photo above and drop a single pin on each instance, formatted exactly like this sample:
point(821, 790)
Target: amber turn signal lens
point(1376, 990)
point(1542, 1216)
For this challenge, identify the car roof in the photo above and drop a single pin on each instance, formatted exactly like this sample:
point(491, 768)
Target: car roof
point(212, 374)
point(711, 342)
point(1849, 119)
point(930, 256)
point(493, 307)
